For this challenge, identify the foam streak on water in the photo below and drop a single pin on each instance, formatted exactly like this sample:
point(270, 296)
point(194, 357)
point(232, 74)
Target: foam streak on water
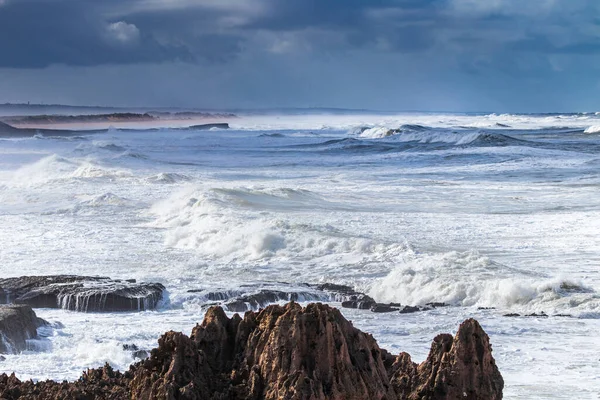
point(478, 211)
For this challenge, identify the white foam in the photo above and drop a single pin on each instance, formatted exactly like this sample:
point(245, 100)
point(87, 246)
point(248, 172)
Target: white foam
point(167, 177)
point(225, 225)
point(57, 168)
point(421, 135)
point(104, 199)
point(90, 170)
point(593, 129)
point(48, 168)
point(377, 132)
point(469, 279)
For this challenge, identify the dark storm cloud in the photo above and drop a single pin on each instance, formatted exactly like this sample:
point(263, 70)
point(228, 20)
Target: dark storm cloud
point(402, 54)
point(38, 33)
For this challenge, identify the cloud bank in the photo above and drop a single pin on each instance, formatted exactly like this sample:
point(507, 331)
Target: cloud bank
point(447, 51)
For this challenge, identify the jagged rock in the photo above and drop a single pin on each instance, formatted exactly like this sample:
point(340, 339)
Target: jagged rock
point(512, 315)
point(80, 293)
point(456, 368)
point(101, 383)
point(18, 323)
point(286, 352)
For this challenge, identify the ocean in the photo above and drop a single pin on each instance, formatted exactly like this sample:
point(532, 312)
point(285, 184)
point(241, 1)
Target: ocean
point(490, 214)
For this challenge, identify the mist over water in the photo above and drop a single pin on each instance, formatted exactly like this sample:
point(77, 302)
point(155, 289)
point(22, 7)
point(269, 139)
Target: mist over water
point(494, 211)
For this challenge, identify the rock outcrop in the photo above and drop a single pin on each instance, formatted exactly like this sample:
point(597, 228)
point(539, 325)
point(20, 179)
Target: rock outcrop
point(265, 297)
point(256, 296)
point(456, 368)
point(18, 323)
point(80, 293)
point(286, 352)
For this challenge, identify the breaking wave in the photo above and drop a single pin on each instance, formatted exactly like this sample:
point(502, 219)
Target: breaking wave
point(105, 199)
point(470, 279)
point(237, 225)
point(593, 129)
point(90, 170)
point(381, 131)
point(167, 177)
point(54, 168)
point(424, 135)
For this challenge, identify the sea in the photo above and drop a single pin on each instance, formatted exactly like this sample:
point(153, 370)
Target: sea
point(492, 214)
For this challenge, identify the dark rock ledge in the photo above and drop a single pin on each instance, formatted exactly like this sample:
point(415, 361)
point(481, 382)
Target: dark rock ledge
point(80, 293)
point(285, 352)
point(18, 323)
point(255, 297)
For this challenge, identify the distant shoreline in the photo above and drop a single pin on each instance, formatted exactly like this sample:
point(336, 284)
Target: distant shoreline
point(23, 124)
point(110, 117)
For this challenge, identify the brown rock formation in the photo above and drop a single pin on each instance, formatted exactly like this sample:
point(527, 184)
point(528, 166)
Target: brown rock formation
point(102, 383)
point(456, 368)
point(286, 353)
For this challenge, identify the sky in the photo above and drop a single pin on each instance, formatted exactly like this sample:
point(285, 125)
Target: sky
point(394, 55)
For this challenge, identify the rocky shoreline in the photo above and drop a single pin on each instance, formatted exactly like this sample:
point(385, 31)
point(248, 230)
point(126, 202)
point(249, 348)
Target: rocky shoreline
point(285, 352)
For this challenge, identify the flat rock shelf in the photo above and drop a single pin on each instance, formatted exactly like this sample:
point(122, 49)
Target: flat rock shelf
point(81, 293)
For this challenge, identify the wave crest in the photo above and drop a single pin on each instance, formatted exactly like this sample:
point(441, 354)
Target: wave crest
point(593, 129)
point(57, 168)
point(244, 225)
point(470, 279)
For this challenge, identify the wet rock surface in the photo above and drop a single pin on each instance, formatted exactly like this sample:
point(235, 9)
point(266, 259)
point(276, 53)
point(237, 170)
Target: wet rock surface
point(385, 308)
point(286, 352)
point(136, 352)
point(264, 297)
point(253, 297)
point(18, 323)
point(539, 315)
point(80, 293)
